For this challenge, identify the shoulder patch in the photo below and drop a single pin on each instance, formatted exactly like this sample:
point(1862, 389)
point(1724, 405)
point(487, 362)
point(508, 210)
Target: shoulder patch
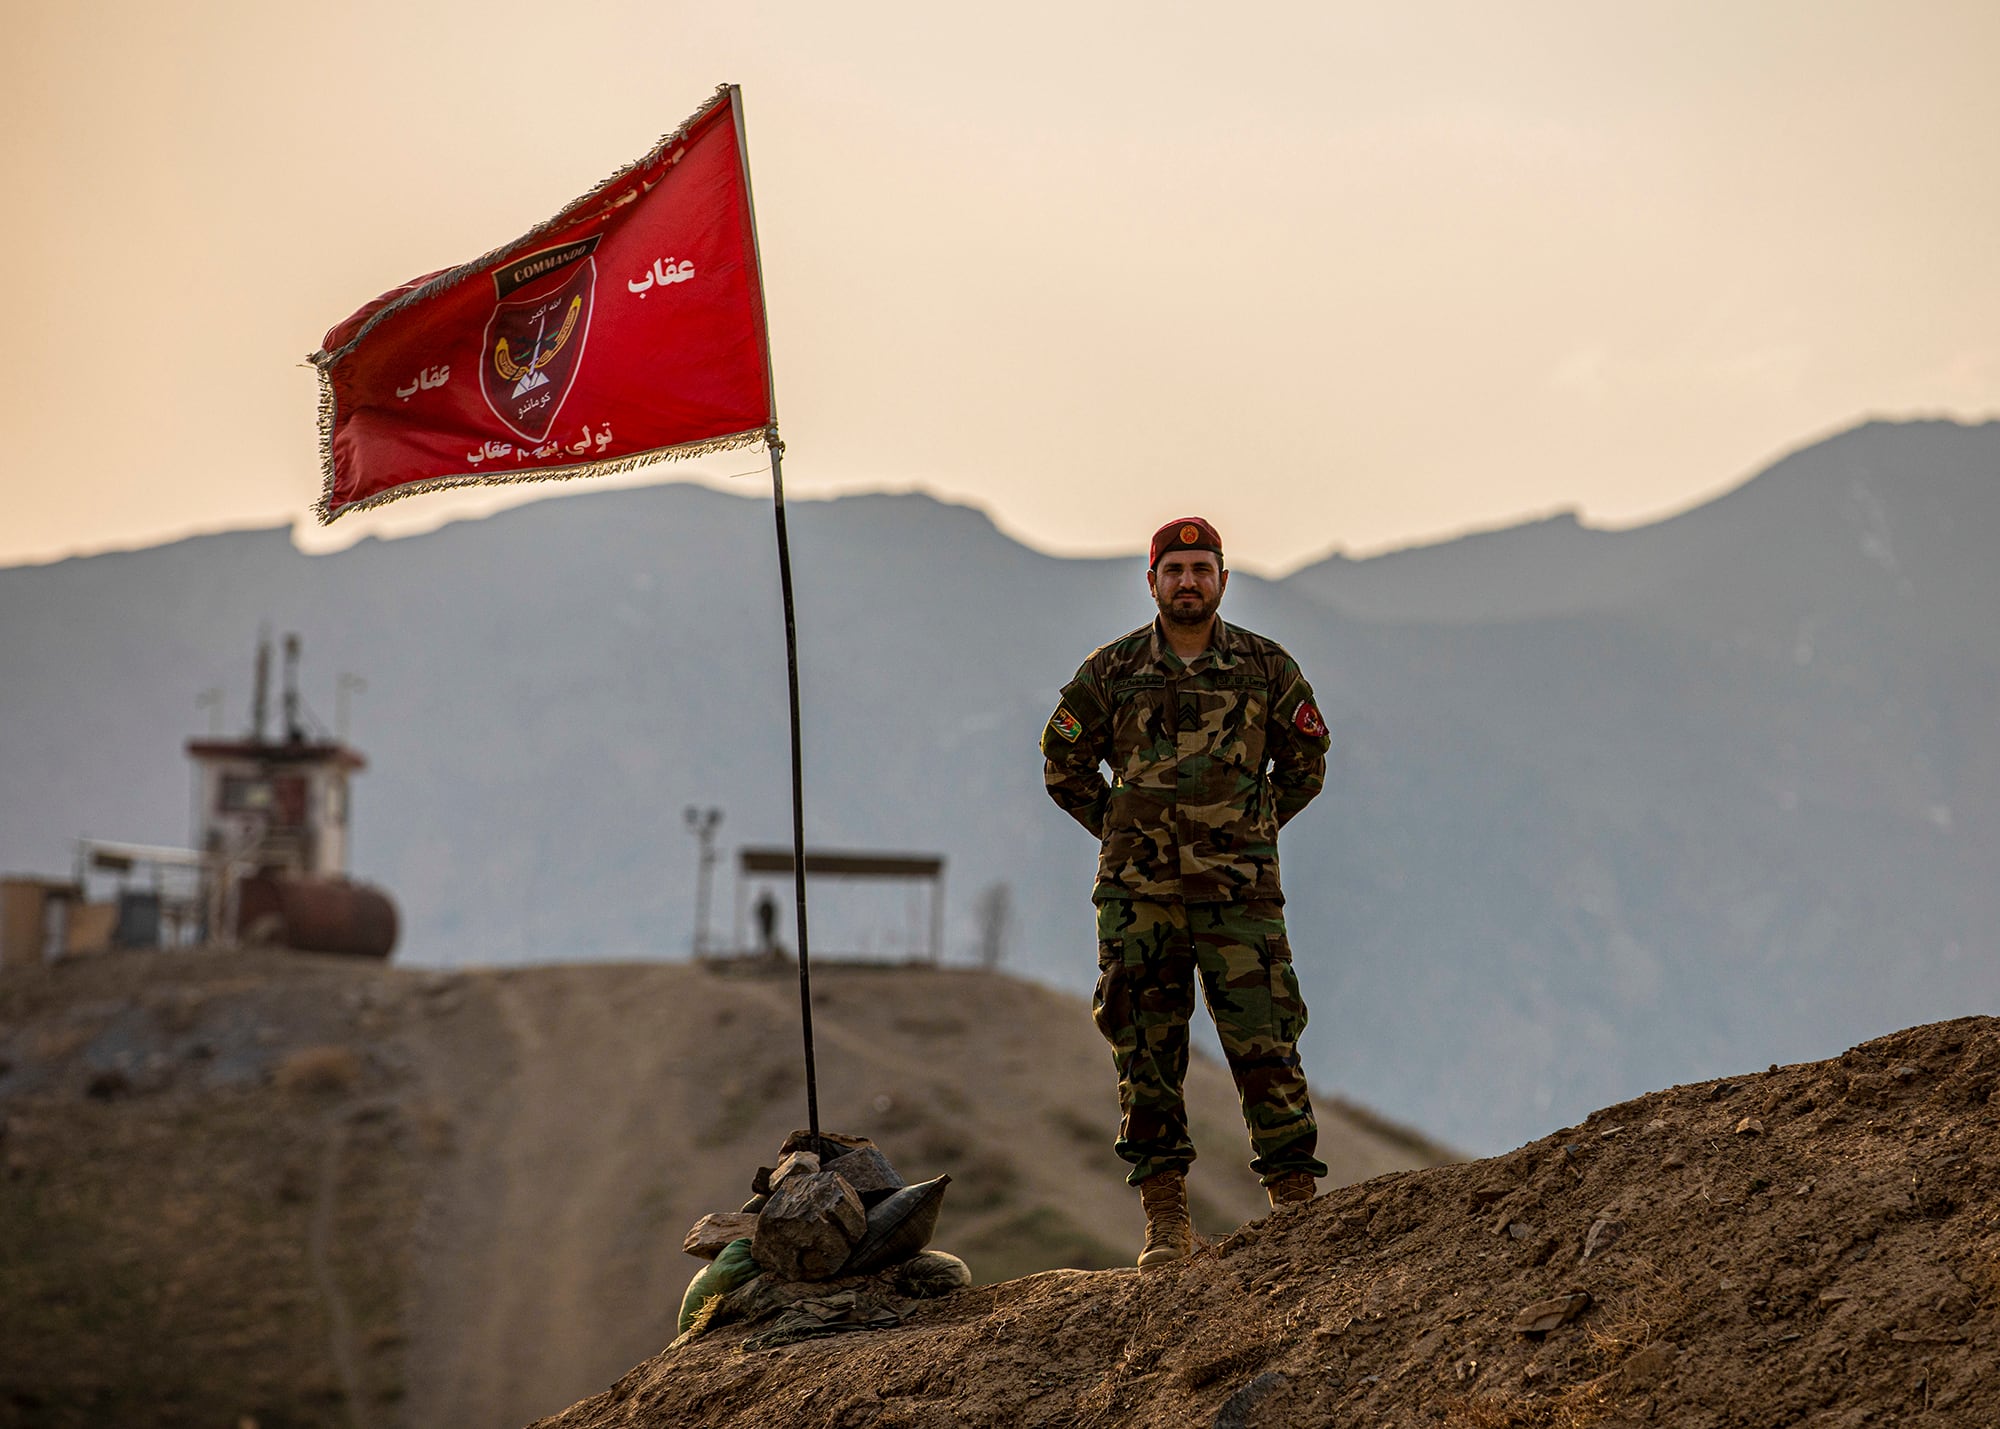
point(1306, 720)
point(1065, 724)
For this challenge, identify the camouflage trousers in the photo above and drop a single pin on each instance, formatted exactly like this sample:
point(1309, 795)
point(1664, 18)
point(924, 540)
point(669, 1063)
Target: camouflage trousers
point(1148, 958)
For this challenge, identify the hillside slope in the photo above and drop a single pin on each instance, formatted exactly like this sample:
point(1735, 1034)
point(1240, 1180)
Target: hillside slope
point(320, 1192)
point(1813, 1245)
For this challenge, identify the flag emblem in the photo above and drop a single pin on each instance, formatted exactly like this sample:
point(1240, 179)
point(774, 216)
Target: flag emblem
point(1308, 722)
point(551, 334)
point(1065, 724)
point(535, 340)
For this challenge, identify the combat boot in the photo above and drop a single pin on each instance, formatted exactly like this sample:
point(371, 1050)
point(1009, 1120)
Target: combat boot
point(1169, 1232)
point(1294, 1188)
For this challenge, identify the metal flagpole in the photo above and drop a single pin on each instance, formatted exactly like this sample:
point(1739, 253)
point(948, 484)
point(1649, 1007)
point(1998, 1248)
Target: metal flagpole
point(776, 447)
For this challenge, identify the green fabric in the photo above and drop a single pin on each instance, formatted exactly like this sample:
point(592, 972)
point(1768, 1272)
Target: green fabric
point(732, 1268)
point(1149, 958)
point(1208, 760)
point(840, 1313)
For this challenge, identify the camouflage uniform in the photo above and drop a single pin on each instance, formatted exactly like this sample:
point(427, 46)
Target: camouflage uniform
point(1208, 758)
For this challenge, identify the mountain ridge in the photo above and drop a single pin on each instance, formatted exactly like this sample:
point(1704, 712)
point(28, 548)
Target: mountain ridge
point(1494, 571)
point(1626, 841)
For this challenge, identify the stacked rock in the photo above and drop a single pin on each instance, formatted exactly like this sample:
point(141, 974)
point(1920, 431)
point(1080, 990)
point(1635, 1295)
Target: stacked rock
point(833, 1208)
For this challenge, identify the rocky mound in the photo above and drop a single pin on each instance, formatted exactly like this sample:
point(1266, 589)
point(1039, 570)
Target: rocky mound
point(1815, 1244)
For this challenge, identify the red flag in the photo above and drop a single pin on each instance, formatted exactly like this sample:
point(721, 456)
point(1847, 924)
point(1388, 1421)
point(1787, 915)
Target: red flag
point(627, 328)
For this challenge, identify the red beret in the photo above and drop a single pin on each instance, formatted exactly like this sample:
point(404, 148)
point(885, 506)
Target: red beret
point(1189, 533)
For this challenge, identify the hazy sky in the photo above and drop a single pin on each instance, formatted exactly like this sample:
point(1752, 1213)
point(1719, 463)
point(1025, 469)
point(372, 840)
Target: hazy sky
point(1339, 276)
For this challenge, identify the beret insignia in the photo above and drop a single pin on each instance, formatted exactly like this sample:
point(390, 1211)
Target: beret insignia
point(1185, 533)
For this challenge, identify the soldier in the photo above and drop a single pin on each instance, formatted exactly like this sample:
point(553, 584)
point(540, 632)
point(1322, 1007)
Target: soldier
point(766, 910)
point(1214, 743)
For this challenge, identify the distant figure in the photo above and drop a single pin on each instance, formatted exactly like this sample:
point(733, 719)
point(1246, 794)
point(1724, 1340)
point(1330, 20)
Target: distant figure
point(767, 924)
point(994, 909)
point(1216, 742)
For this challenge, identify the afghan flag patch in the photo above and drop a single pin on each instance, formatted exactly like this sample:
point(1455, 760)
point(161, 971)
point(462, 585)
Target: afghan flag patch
point(1066, 724)
point(1308, 722)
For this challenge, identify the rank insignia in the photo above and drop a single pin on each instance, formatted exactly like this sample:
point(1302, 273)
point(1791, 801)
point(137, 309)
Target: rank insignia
point(1066, 724)
point(1306, 720)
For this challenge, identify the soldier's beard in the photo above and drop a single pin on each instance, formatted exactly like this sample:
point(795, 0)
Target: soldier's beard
point(1188, 612)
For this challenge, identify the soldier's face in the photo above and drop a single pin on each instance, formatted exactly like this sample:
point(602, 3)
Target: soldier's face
point(1188, 585)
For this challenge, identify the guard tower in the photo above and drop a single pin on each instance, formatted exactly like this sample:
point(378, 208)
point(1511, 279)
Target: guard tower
point(272, 832)
point(276, 807)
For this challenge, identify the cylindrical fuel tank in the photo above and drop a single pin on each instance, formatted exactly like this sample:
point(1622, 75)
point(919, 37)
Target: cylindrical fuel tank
point(318, 915)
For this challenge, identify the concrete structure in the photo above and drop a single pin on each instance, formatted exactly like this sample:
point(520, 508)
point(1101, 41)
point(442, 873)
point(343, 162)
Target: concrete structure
point(35, 919)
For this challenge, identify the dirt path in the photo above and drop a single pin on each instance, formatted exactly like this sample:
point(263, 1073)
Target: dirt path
point(529, 1251)
point(781, 998)
point(319, 1239)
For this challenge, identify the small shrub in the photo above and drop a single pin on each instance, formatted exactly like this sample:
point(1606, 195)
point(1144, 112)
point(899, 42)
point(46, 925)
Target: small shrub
point(319, 1071)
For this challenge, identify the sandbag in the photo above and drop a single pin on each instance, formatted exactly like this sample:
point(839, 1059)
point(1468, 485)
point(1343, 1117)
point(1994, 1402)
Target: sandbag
point(931, 1273)
point(898, 1228)
point(732, 1268)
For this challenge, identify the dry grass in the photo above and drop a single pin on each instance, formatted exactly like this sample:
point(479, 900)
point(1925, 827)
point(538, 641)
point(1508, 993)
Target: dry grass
point(435, 1127)
point(1578, 1407)
point(319, 1071)
point(711, 1306)
point(1636, 1315)
point(58, 1044)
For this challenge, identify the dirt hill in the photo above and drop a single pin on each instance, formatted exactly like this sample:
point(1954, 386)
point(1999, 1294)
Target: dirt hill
point(1816, 1244)
point(304, 1191)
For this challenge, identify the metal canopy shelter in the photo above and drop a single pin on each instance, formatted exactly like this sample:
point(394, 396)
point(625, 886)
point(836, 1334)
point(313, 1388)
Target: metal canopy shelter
point(840, 863)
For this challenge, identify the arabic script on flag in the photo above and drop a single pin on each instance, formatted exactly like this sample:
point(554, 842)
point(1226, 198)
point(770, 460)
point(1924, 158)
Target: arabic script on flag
point(628, 328)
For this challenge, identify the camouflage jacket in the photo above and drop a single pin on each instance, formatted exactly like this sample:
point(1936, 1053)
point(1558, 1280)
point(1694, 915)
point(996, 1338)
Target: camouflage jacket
point(1208, 760)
